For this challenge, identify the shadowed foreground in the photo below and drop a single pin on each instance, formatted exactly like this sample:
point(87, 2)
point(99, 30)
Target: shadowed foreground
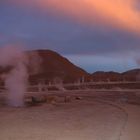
point(77, 120)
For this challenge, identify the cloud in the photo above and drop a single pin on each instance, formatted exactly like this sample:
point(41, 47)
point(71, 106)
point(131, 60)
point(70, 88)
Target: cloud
point(123, 14)
point(62, 35)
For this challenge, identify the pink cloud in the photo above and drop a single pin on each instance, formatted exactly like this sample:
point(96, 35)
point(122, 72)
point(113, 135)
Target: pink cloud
point(118, 13)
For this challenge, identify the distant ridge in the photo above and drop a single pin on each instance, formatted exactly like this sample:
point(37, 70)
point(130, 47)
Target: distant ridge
point(130, 75)
point(106, 76)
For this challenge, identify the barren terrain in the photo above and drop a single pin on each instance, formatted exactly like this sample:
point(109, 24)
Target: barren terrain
point(91, 117)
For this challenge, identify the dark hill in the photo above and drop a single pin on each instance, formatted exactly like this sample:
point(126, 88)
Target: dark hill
point(54, 67)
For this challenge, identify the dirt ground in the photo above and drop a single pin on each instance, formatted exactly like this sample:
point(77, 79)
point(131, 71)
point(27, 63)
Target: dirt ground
point(76, 120)
point(132, 128)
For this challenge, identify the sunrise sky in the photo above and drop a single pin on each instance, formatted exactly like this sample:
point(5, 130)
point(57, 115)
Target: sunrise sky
point(93, 34)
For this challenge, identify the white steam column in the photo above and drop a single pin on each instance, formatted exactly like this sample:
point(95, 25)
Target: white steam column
point(16, 78)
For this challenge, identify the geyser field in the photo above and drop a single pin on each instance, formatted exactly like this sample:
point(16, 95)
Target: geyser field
point(74, 111)
point(69, 69)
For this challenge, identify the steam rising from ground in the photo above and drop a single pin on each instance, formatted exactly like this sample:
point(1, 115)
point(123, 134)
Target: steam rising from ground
point(137, 59)
point(16, 79)
point(34, 61)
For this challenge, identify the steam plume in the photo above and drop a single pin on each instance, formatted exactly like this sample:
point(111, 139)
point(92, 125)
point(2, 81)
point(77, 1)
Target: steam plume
point(34, 63)
point(16, 79)
point(138, 61)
